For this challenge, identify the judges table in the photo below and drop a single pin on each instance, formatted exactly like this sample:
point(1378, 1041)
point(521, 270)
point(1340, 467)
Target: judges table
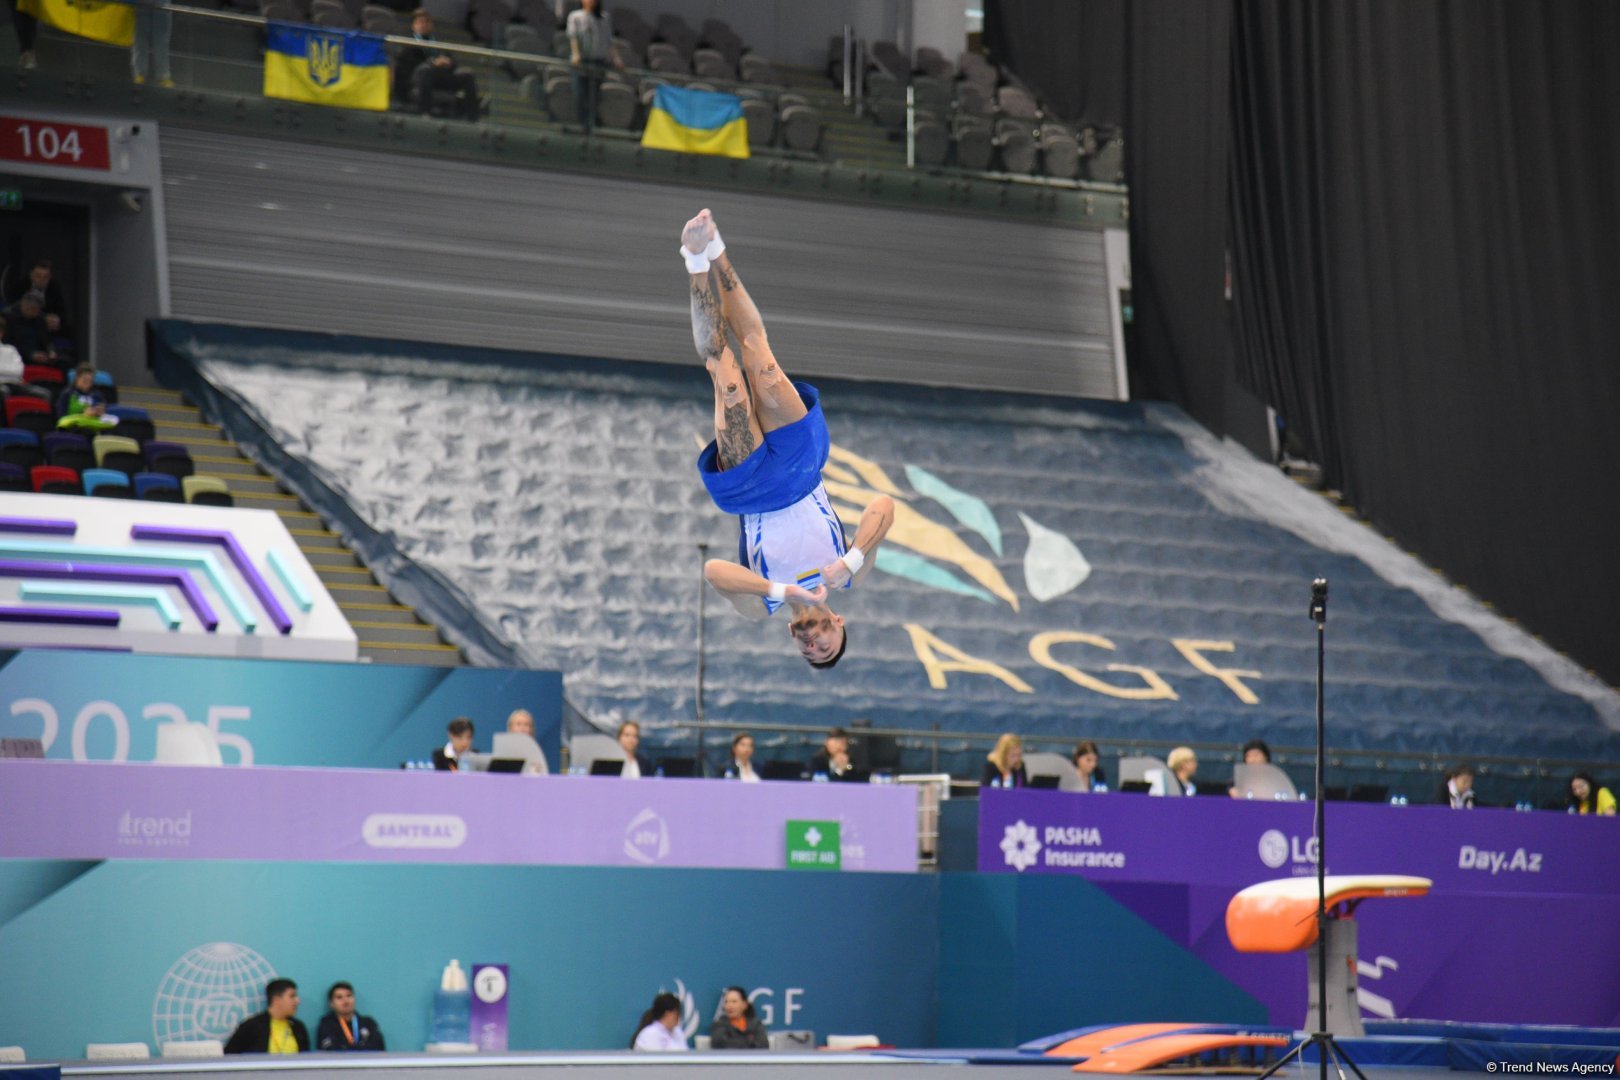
point(90, 810)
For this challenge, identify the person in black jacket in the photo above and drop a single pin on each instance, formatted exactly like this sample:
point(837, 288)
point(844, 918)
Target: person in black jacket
point(343, 1028)
point(832, 760)
point(739, 1028)
point(1457, 788)
point(636, 764)
point(460, 731)
point(276, 1030)
point(421, 69)
point(1004, 766)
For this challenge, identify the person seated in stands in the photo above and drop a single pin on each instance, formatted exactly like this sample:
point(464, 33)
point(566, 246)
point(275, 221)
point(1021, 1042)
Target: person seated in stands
point(1457, 788)
point(276, 1030)
point(636, 764)
point(832, 760)
point(1004, 766)
point(460, 731)
point(343, 1028)
point(29, 333)
point(738, 1028)
point(521, 722)
point(741, 765)
point(51, 302)
point(81, 406)
point(11, 370)
point(422, 69)
point(1092, 777)
point(1177, 779)
point(1585, 797)
point(660, 1026)
point(1255, 752)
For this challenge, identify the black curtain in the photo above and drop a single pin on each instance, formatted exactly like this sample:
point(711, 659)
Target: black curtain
point(1425, 208)
point(1072, 54)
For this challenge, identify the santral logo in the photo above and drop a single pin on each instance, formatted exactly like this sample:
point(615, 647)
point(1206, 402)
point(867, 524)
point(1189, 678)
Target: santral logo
point(414, 831)
point(1020, 845)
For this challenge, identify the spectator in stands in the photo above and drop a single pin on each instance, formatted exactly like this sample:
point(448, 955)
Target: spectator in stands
point(1255, 752)
point(460, 731)
point(521, 722)
point(28, 329)
point(343, 1028)
point(421, 69)
point(741, 765)
point(1004, 766)
point(276, 1030)
point(81, 406)
point(660, 1026)
point(52, 304)
point(738, 1028)
point(1092, 777)
point(832, 760)
point(1183, 766)
point(27, 28)
point(1585, 797)
point(590, 49)
point(11, 370)
point(1457, 788)
point(636, 764)
point(149, 54)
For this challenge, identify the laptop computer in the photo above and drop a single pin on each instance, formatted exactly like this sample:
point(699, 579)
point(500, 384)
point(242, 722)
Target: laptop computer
point(22, 748)
point(678, 766)
point(1136, 787)
point(780, 770)
point(1047, 783)
point(506, 765)
point(607, 767)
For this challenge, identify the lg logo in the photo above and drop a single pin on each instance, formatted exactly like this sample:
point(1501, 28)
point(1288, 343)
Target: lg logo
point(1277, 849)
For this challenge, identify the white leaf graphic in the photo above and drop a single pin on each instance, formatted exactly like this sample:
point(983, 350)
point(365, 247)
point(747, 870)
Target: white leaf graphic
point(1052, 564)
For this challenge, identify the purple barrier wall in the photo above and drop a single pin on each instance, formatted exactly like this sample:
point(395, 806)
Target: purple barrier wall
point(73, 810)
point(1521, 904)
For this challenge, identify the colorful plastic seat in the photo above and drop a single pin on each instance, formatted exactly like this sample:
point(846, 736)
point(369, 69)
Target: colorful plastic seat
point(20, 448)
point(43, 375)
point(108, 483)
point(206, 491)
point(29, 414)
point(55, 480)
point(168, 457)
point(68, 451)
point(13, 478)
point(133, 422)
point(157, 487)
point(119, 452)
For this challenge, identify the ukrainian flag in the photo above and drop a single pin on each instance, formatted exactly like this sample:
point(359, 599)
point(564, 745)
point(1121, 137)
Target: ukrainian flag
point(344, 68)
point(697, 122)
point(93, 19)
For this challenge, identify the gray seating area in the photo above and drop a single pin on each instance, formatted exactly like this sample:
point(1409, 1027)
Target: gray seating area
point(972, 115)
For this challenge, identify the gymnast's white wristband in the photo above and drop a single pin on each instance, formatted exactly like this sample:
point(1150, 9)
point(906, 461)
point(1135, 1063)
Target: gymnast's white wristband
point(778, 592)
point(697, 262)
point(715, 249)
point(854, 558)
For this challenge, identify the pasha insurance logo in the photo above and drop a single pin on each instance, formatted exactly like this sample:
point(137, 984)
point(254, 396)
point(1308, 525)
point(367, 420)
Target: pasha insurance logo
point(414, 831)
point(1020, 846)
point(646, 838)
point(134, 830)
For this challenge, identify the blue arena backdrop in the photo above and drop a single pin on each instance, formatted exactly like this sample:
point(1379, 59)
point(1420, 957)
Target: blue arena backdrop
point(99, 706)
point(145, 951)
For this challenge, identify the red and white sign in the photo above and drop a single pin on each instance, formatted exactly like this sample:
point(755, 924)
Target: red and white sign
point(50, 142)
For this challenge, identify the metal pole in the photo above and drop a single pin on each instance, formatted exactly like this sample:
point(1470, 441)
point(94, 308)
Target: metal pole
point(860, 78)
point(911, 127)
point(703, 606)
point(849, 61)
point(1319, 613)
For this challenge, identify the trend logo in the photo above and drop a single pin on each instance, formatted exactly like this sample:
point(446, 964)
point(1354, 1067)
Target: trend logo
point(208, 991)
point(646, 838)
point(1273, 848)
point(1020, 845)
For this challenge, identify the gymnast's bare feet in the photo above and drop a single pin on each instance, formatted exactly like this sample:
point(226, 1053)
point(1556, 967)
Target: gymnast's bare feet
point(698, 233)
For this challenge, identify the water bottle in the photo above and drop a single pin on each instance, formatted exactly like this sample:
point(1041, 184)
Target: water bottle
point(731, 774)
point(659, 772)
point(452, 1007)
point(1099, 788)
point(820, 778)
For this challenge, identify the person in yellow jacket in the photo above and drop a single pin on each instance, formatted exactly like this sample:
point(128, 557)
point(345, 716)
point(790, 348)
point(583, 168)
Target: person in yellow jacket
point(1585, 797)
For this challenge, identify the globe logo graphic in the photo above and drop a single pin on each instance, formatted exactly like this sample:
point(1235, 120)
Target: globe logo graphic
point(208, 991)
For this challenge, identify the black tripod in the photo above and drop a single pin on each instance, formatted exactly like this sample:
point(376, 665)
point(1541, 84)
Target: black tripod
point(1321, 1038)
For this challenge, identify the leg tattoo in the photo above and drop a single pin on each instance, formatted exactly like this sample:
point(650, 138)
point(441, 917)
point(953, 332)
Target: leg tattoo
point(733, 429)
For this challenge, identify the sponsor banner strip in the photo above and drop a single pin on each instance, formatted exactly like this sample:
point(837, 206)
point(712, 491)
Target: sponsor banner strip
point(90, 810)
point(1235, 843)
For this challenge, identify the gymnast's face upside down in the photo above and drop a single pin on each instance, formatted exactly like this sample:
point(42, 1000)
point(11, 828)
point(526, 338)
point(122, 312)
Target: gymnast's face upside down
point(819, 633)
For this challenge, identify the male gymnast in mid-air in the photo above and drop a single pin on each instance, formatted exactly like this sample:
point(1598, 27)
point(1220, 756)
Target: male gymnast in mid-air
point(764, 465)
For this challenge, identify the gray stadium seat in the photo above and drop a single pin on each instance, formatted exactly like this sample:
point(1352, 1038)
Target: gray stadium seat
point(756, 69)
point(662, 56)
point(1107, 165)
point(973, 99)
point(801, 127)
point(629, 53)
point(560, 99)
point(540, 14)
point(887, 55)
point(282, 11)
point(712, 64)
point(761, 121)
point(376, 19)
point(933, 144)
point(975, 146)
point(330, 13)
point(1017, 151)
point(932, 63)
point(524, 39)
point(489, 18)
point(930, 93)
point(616, 106)
point(1060, 156)
point(1015, 102)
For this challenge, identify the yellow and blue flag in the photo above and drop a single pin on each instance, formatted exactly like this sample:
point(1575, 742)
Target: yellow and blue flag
point(345, 68)
point(696, 122)
point(97, 20)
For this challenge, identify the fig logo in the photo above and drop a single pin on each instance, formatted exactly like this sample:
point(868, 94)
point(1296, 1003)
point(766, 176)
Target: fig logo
point(414, 831)
point(208, 991)
point(1020, 845)
point(646, 838)
point(1273, 848)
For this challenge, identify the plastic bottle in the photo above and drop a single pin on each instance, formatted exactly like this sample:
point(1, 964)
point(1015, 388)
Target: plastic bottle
point(452, 1007)
point(820, 778)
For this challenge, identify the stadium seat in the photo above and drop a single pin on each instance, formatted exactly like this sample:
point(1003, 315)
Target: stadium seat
point(634, 58)
point(133, 423)
point(330, 13)
point(488, 18)
point(68, 451)
point(975, 146)
point(29, 414)
point(376, 19)
point(1017, 150)
point(1107, 165)
point(1060, 156)
point(44, 375)
point(51, 480)
point(801, 127)
point(167, 457)
point(118, 452)
point(13, 477)
point(755, 69)
point(20, 448)
point(206, 491)
point(761, 120)
point(524, 39)
point(1018, 103)
point(616, 106)
point(933, 144)
point(973, 100)
point(559, 98)
point(932, 63)
point(662, 56)
point(712, 64)
point(157, 487)
point(107, 483)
